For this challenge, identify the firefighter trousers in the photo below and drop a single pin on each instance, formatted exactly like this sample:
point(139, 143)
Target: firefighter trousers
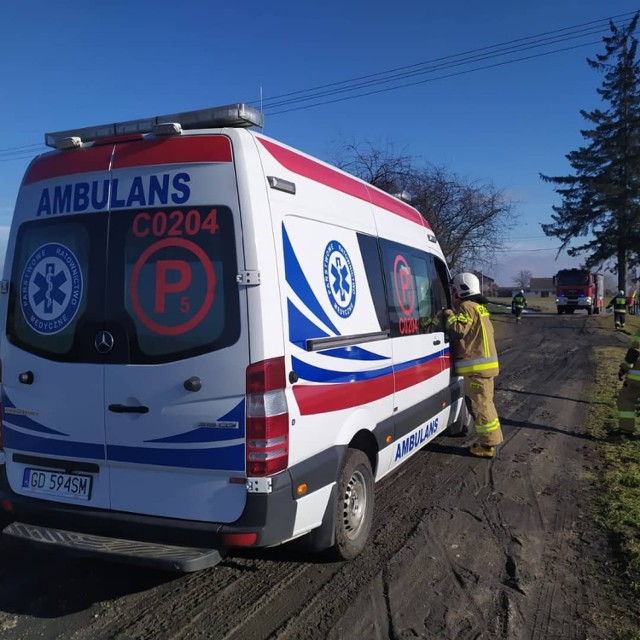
point(628, 398)
point(479, 393)
point(619, 318)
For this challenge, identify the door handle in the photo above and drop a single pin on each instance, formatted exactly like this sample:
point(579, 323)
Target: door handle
point(124, 408)
point(436, 342)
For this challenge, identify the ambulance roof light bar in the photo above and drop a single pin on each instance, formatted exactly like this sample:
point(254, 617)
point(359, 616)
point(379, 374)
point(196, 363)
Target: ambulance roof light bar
point(232, 115)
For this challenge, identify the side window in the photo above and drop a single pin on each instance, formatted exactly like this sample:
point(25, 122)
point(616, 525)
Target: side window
point(402, 295)
point(441, 292)
point(416, 289)
point(373, 268)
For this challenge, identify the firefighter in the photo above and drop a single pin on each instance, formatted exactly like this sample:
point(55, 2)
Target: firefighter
point(629, 394)
point(518, 303)
point(475, 357)
point(619, 304)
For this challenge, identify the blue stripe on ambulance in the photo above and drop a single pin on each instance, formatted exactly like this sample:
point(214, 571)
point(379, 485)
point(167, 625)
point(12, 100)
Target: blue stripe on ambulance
point(317, 374)
point(353, 353)
point(24, 422)
point(299, 283)
point(301, 329)
point(35, 444)
point(228, 458)
point(212, 434)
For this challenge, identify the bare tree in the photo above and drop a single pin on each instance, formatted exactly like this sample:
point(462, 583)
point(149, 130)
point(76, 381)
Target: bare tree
point(523, 279)
point(471, 219)
point(382, 166)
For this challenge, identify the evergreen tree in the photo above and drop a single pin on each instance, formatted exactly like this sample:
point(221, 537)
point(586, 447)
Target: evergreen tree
point(602, 198)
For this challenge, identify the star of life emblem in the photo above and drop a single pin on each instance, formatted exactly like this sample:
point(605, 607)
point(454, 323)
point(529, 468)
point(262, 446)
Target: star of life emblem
point(339, 279)
point(51, 288)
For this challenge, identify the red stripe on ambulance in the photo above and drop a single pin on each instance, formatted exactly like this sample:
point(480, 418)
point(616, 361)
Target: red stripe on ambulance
point(172, 151)
point(324, 175)
point(323, 398)
point(69, 163)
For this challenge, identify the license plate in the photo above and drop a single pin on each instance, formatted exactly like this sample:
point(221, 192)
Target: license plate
point(54, 483)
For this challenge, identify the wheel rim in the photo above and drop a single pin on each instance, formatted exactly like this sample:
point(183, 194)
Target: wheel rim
point(354, 507)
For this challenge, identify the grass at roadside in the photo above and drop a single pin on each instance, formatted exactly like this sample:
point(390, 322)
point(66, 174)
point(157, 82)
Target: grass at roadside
point(619, 495)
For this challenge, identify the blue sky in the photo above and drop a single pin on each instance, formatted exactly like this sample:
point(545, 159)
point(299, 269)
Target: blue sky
point(73, 63)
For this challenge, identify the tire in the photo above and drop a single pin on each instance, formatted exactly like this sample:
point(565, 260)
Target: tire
point(559, 311)
point(589, 310)
point(354, 506)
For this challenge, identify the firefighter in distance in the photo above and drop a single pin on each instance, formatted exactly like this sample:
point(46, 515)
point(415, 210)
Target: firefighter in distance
point(629, 394)
point(476, 359)
point(619, 304)
point(518, 304)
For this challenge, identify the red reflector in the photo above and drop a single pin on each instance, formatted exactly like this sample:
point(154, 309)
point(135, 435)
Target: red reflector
point(239, 539)
point(7, 505)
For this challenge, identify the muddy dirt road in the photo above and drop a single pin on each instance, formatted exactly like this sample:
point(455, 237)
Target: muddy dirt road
point(461, 548)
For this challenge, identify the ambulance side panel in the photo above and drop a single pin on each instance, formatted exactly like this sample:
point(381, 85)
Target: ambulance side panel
point(333, 230)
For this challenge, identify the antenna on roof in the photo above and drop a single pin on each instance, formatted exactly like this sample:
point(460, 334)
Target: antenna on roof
point(261, 109)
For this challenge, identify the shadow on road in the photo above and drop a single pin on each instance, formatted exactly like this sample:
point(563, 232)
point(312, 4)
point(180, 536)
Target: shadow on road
point(44, 584)
point(523, 424)
point(546, 395)
point(450, 450)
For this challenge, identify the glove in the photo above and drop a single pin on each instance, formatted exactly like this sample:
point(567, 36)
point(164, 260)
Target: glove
point(621, 374)
point(448, 313)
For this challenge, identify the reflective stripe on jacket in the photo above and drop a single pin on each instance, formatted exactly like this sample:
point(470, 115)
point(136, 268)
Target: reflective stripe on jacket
point(619, 304)
point(472, 341)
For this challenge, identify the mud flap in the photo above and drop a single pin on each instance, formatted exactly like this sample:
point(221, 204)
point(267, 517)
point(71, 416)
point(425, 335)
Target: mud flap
point(324, 536)
point(463, 425)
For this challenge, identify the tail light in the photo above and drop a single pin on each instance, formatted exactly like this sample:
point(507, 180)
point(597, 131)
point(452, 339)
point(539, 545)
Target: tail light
point(267, 418)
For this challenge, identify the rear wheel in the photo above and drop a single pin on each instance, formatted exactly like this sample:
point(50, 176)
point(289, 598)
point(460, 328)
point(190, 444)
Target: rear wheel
point(354, 506)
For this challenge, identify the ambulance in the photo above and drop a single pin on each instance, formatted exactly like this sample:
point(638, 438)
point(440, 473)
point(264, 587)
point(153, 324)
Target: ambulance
point(211, 340)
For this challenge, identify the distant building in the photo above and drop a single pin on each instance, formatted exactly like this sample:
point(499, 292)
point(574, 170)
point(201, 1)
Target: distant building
point(488, 285)
point(541, 288)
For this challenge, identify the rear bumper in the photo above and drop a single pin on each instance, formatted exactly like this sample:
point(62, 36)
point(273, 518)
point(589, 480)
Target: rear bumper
point(97, 532)
point(104, 533)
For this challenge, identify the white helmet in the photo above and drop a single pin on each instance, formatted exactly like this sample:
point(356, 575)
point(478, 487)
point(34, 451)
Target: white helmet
point(521, 292)
point(621, 292)
point(466, 285)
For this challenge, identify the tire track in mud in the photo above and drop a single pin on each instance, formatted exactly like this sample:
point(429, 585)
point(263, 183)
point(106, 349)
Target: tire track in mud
point(461, 548)
point(539, 608)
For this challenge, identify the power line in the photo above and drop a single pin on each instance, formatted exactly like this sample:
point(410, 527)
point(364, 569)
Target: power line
point(547, 38)
point(385, 78)
point(602, 22)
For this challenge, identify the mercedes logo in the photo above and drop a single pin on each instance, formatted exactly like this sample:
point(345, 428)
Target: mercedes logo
point(104, 342)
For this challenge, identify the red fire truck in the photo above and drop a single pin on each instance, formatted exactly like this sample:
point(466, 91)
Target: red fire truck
point(579, 289)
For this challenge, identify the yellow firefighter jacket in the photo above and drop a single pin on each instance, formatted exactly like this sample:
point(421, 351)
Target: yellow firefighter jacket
point(472, 340)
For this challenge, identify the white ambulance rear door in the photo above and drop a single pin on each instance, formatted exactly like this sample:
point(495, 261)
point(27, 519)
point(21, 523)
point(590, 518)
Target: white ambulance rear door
point(53, 377)
point(177, 324)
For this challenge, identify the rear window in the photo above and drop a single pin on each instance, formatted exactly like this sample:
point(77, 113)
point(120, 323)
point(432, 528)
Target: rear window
point(162, 282)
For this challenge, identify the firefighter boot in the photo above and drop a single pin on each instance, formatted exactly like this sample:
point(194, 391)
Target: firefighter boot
point(482, 450)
